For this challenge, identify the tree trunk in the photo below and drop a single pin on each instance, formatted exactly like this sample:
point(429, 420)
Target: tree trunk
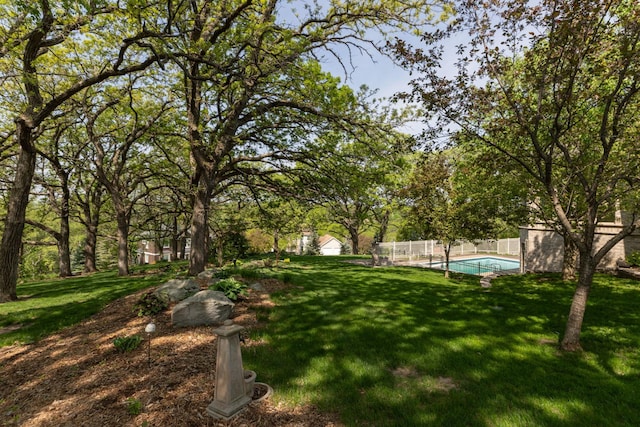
point(375, 254)
point(173, 244)
point(159, 244)
point(571, 339)
point(220, 252)
point(384, 225)
point(199, 230)
point(64, 255)
point(354, 235)
point(92, 221)
point(570, 260)
point(89, 250)
point(276, 245)
point(123, 243)
point(183, 247)
point(447, 252)
point(16, 212)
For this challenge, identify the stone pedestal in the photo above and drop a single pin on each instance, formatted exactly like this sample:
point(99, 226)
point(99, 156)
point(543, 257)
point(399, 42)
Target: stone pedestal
point(230, 396)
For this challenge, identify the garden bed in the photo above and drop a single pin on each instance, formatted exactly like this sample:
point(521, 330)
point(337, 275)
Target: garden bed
point(77, 377)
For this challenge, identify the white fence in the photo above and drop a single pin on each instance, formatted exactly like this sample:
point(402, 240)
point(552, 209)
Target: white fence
point(429, 249)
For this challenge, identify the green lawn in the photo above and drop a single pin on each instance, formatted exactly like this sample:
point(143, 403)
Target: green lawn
point(404, 347)
point(48, 306)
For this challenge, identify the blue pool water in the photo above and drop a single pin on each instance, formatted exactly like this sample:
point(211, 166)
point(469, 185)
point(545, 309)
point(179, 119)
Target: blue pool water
point(478, 266)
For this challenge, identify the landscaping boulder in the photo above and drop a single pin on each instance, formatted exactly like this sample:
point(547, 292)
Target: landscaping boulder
point(207, 274)
point(257, 287)
point(204, 308)
point(176, 290)
point(621, 263)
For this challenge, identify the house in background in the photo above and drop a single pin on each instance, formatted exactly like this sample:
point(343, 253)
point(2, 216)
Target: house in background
point(329, 245)
point(150, 253)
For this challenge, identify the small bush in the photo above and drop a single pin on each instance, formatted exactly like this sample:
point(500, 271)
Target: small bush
point(127, 343)
point(232, 288)
point(150, 304)
point(223, 274)
point(134, 406)
point(287, 278)
point(634, 258)
point(251, 273)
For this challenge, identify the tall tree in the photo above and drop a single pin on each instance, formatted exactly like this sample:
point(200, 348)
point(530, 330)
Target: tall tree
point(443, 206)
point(59, 152)
point(251, 81)
point(120, 128)
point(38, 51)
point(356, 176)
point(555, 88)
point(278, 214)
point(88, 199)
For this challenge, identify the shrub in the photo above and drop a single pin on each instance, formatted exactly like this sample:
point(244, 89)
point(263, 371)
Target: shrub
point(634, 258)
point(287, 277)
point(150, 304)
point(134, 406)
point(127, 343)
point(251, 273)
point(223, 274)
point(232, 288)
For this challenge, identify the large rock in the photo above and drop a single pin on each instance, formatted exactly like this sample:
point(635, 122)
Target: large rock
point(204, 308)
point(176, 290)
point(207, 274)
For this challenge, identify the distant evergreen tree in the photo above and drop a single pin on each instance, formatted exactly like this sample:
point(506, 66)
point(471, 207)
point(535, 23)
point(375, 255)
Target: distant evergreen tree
point(314, 246)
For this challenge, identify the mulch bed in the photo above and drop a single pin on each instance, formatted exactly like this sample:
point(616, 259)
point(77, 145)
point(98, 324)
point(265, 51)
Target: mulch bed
point(78, 378)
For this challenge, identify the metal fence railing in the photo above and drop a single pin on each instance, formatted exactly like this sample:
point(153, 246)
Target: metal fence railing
point(429, 249)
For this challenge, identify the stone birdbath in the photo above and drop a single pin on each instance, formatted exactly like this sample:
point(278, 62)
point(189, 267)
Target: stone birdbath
point(234, 385)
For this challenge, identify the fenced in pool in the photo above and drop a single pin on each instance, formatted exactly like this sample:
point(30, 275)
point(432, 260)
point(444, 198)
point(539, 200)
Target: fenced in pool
point(433, 249)
point(477, 266)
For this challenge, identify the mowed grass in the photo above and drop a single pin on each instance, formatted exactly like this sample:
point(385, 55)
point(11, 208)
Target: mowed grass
point(405, 347)
point(47, 306)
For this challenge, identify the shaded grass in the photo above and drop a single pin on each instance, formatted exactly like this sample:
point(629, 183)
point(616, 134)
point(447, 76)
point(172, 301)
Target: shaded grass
point(47, 306)
point(402, 346)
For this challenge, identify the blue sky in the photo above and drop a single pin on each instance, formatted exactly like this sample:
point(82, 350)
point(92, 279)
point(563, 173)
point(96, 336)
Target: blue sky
point(378, 72)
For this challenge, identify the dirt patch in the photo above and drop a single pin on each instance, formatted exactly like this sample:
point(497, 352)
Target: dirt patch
point(445, 384)
point(405, 372)
point(78, 378)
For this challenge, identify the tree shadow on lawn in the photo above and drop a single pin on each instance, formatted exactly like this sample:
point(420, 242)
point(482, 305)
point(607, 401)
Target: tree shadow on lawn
point(68, 302)
point(405, 347)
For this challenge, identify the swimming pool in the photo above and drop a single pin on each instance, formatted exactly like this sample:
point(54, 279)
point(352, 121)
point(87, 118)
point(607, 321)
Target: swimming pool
point(478, 266)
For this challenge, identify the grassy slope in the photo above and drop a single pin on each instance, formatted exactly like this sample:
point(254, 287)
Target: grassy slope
point(400, 346)
point(47, 306)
